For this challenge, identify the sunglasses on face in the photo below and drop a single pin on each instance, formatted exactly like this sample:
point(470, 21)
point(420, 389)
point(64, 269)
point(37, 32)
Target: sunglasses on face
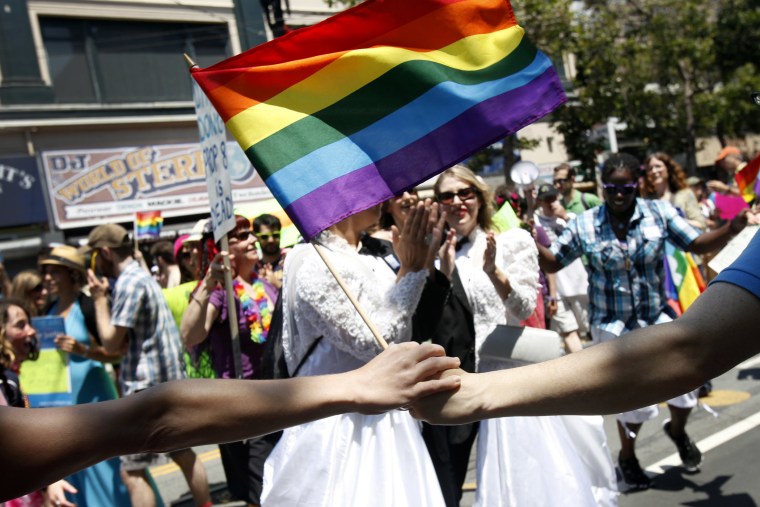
point(464, 194)
point(240, 235)
point(561, 181)
point(626, 189)
point(37, 288)
point(550, 200)
point(263, 236)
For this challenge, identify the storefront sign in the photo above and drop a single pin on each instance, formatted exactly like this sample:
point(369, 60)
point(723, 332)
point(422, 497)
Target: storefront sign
point(21, 199)
point(89, 187)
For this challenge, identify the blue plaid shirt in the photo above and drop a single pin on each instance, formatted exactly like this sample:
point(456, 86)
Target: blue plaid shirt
point(626, 278)
point(154, 352)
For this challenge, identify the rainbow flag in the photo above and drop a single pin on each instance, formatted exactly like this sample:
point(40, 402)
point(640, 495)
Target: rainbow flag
point(148, 224)
point(683, 280)
point(746, 179)
point(347, 113)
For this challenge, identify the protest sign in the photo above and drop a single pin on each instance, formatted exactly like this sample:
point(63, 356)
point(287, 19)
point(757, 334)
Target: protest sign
point(733, 249)
point(47, 381)
point(216, 161)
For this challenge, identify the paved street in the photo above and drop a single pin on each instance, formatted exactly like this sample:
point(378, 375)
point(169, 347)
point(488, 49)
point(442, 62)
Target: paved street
point(730, 444)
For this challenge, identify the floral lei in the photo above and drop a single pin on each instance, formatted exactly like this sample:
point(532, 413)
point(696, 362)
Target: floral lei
point(256, 309)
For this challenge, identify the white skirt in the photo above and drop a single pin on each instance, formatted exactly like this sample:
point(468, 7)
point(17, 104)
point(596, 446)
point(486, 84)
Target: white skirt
point(351, 460)
point(540, 461)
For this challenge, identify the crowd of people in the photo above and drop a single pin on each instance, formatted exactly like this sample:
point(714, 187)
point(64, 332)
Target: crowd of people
point(424, 270)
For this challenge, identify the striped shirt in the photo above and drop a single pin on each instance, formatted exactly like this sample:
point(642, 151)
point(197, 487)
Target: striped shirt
point(154, 352)
point(626, 278)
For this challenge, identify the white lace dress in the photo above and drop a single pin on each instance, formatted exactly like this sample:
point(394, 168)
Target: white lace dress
point(523, 461)
point(351, 459)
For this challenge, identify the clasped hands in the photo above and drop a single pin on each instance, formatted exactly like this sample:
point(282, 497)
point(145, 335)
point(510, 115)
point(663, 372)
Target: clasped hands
point(420, 378)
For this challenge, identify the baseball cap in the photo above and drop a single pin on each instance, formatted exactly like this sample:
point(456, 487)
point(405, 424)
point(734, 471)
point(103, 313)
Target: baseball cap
point(728, 150)
point(545, 191)
point(196, 233)
point(110, 235)
point(67, 256)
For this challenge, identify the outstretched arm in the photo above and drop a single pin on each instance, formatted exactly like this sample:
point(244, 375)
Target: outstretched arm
point(650, 365)
point(43, 445)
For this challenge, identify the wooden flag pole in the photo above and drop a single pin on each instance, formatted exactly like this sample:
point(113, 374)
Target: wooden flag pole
point(232, 311)
point(371, 325)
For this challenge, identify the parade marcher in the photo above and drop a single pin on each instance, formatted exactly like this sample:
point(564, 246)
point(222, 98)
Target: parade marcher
point(352, 459)
point(731, 161)
point(199, 412)
point(139, 325)
point(267, 229)
point(64, 275)
point(664, 179)
point(570, 317)
point(17, 344)
point(205, 324)
point(169, 274)
point(624, 241)
point(573, 199)
point(394, 212)
point(520, 460)
point(27, 286)
point(654, 363)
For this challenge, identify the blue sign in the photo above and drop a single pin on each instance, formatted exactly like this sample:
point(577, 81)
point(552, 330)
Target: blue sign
point(22, 201)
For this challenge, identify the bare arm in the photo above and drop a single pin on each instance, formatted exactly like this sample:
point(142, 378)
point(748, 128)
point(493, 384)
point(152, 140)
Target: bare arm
point(665, 360)
point(113, 337)
point(42, 445)
point(717, 238)
point(92, 351)
point(199, 315)
point(546, 260)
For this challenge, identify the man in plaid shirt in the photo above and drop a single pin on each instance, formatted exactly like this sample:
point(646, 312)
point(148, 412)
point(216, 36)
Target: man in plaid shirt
point(140, 326)
point(624, 241)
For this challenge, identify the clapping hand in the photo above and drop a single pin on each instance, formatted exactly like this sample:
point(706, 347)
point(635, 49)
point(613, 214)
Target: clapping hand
point(416, 242)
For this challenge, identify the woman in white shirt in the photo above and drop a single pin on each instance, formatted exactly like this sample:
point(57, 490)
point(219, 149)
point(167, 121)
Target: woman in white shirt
point(520, 460)
point(352, 459)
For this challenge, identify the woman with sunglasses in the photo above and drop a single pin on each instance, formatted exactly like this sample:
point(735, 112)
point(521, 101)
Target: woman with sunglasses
point(394, 212)
point(17, 344)
point(624, 241)
point(353, 459)
point(205, 327)
point(27, 286)
point(522, 460)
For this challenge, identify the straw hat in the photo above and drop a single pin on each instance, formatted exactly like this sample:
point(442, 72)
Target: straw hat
point(66, 256)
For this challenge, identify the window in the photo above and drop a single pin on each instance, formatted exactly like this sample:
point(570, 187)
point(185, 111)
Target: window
point(104, 61)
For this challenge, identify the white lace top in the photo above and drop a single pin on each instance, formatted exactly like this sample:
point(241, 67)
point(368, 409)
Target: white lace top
point(517, 257)
point(314, 305)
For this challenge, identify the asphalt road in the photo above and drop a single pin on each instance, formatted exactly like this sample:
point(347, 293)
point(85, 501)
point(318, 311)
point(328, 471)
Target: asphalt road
point(730, 443)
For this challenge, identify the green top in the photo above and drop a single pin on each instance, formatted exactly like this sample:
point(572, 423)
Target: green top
point(581, 202)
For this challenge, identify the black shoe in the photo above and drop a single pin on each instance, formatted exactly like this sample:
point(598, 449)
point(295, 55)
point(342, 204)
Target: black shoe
point(633, 475)
point(687, 449)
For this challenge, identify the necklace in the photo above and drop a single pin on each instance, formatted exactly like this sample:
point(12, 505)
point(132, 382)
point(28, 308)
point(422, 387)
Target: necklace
point(256, 310)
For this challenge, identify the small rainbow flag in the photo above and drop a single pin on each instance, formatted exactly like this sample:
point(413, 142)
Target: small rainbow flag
point(746, 179)
point(148, 224)
point(683, 280)
point(347, 113)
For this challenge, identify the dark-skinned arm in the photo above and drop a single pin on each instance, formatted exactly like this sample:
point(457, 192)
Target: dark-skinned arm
point(42, 445)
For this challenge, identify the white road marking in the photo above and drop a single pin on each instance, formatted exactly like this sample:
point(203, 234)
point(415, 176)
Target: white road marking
point(707, 444)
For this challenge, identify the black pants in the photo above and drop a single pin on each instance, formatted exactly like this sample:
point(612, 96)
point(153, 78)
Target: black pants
point(449, 448)
point(243, 464)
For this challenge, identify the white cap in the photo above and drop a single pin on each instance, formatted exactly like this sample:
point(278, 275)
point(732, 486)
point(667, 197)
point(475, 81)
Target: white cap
point(196, 233)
